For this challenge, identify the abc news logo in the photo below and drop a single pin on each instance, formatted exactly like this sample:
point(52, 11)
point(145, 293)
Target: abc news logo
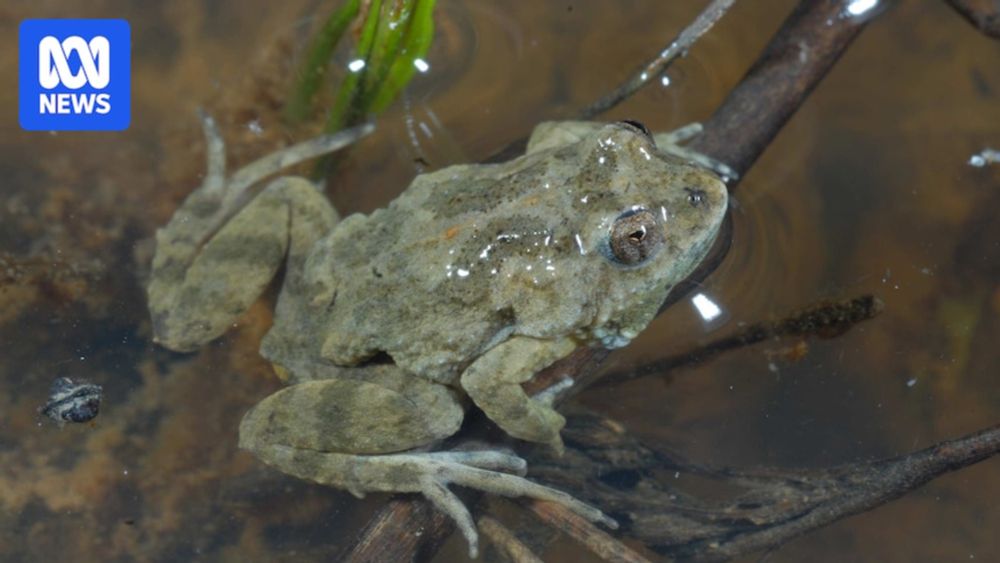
point(54, 69)
point(74, 75)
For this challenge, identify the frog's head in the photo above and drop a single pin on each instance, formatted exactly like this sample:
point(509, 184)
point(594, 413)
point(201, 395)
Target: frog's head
point(648, 220)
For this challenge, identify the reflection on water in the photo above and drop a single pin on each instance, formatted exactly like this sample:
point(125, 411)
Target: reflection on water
point(867, 190)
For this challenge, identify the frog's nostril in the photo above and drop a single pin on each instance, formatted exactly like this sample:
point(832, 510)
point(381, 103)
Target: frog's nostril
point(696, 197)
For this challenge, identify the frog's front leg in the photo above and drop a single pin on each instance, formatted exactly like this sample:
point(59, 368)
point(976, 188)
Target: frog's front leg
point(671, 142)
point(355, 433)
point(494, 383)
point(223, 245)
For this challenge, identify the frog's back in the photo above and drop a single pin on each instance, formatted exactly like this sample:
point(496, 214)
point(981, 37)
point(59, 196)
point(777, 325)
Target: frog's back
point(416, 279)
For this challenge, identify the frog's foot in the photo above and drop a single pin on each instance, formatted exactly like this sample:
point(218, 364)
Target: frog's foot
point(670, 142)
point(429, 474)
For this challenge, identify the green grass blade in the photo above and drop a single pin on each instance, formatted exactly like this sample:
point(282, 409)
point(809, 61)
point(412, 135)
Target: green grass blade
point(317, 59)
point(347, 107)
point(415, 43)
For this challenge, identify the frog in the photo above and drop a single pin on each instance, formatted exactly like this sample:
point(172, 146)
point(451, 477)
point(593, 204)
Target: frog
point(390, 326)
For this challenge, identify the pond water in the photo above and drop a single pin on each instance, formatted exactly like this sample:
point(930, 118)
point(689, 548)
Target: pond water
point(867, 190)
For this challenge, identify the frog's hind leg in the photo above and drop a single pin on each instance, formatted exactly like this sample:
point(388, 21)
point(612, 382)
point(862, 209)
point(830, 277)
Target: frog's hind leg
point(224, 244)
point(194, 299)
point(354, 433)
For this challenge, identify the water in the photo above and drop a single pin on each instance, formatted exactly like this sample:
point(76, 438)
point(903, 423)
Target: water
point(867, 190)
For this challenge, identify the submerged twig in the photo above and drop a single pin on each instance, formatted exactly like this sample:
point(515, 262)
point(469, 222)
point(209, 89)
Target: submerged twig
point(501, 537)
point(823, 320)
point(655, 67)
point(768, 506)
point(983, 14)
point(596, 540)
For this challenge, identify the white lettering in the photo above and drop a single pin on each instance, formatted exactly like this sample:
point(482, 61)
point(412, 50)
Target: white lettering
point(83, 104)
point(66, 103)
point(46, 103)
point(104, 104)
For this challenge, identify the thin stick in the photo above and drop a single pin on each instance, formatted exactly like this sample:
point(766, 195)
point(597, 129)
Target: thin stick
point(654, 68)
point(823, 320)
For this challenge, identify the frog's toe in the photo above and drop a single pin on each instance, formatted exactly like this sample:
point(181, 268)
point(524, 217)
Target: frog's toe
point(495, 460)
point(446, 501)
point(428, 473)
point(487, 471)
point(446, 472)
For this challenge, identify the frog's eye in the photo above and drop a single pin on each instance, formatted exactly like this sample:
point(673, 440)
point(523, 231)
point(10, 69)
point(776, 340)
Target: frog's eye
point(635, 237)
point(637, 126)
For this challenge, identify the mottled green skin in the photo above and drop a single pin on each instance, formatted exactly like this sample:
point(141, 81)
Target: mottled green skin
point(471, 281)
point(474, 254)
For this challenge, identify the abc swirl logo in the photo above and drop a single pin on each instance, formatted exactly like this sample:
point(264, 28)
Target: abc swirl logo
point(74, 75)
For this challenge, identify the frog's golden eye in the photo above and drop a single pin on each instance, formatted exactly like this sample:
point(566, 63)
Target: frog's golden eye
point(635, 236)
point(637, 126)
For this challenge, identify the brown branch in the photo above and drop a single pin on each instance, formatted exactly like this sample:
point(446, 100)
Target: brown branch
point(771, 507)
point(500, 536)
point(414, 527)
point(804, 49)
point(983, 14)
point(596, 540)
point(808, 44)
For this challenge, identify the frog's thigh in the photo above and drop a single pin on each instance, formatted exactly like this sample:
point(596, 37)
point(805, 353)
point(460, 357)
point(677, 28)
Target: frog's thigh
point(494, 383)
point(354, 416)
point(194, 302)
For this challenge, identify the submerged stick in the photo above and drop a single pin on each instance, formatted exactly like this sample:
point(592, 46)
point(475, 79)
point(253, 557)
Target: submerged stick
point(595, 539)
point(823, 320)
point(753, 510)
point(506, 541)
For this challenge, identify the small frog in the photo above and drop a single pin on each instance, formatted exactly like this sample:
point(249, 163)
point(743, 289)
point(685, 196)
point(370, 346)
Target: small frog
point(474, 279)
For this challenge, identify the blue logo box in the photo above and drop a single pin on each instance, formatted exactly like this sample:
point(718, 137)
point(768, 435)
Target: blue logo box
point(74, 75)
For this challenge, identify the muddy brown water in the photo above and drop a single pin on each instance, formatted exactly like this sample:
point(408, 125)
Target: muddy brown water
point(867, 190)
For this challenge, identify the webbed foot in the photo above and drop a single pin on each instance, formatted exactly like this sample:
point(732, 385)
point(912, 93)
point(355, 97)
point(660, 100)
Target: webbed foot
point(489, 471)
